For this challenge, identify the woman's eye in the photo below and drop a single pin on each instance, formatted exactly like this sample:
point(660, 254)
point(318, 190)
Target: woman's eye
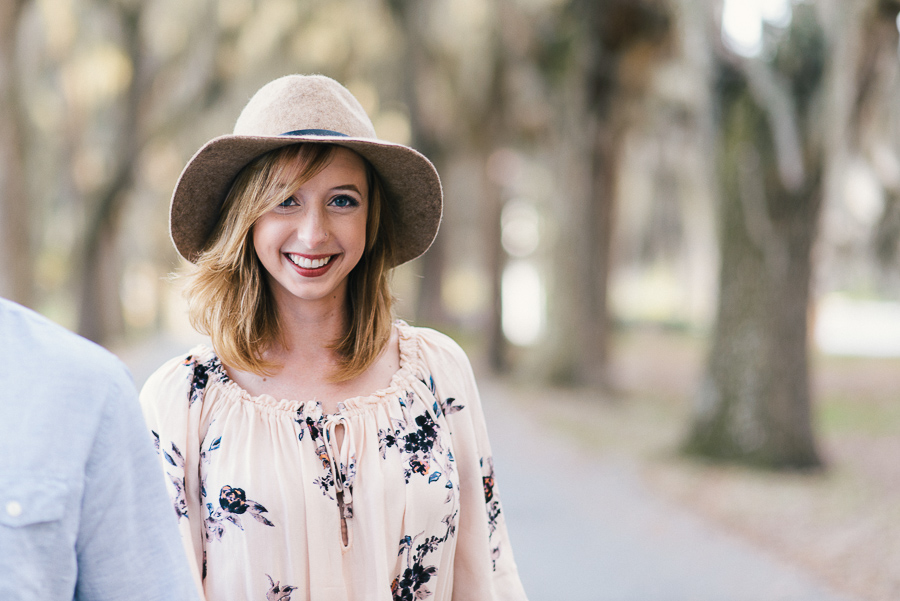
point(344, 201)
point(288, 205)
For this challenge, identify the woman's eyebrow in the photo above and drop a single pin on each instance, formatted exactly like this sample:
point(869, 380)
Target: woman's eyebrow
point(352, 187)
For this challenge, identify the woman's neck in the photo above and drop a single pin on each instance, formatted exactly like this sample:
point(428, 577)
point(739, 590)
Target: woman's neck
point(308, 362)
point(308, 334)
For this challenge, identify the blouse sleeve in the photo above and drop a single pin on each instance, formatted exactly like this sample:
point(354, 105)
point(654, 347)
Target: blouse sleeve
point(169, 401)
point(484, 567)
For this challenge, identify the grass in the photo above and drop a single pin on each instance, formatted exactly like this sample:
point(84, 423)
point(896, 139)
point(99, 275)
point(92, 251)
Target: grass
point(840, 523)
point(844, 415)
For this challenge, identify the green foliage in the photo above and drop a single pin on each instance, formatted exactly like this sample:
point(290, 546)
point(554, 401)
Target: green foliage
point(801, 56)
point(556, 36)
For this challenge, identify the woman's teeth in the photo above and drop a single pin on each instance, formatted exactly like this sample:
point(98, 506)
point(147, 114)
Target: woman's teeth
point(309, 263)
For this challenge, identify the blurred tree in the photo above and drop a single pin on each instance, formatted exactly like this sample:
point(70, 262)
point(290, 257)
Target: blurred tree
point(100, 313)
point(17, 273)
point(493, 128)
point(861, 219)
point(149, 106)
point(419, 67)
point(618, 45)
point(480, 76)
point(754, 402)
point(873, 123)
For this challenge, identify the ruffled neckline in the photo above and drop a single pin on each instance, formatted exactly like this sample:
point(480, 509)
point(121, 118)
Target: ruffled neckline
point(409, 369)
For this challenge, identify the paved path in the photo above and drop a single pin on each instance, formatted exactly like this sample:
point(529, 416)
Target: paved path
point(583, 528)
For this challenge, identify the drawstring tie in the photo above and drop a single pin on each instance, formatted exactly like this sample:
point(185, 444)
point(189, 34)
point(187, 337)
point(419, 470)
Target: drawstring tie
point(341, 459)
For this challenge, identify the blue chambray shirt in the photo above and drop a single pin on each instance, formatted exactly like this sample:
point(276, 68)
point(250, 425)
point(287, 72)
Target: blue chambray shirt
point(83, 509)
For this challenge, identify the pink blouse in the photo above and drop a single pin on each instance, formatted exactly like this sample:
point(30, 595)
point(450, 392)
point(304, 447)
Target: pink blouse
point(260, 485)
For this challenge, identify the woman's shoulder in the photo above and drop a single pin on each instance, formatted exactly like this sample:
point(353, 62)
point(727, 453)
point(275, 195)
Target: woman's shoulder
point(429, 340)
point(181, 365)
point(436, 351)
point(175, 377)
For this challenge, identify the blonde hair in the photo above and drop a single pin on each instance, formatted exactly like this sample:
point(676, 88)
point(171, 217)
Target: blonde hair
point(229, 298)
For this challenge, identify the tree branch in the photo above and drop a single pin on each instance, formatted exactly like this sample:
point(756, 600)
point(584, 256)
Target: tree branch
point(772, 94)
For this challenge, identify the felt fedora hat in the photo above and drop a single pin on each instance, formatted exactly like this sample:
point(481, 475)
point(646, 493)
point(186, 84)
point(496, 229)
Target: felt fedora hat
point(305, 108)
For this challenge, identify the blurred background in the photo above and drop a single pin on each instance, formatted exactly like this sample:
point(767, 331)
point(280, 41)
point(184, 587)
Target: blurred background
point(671, 227)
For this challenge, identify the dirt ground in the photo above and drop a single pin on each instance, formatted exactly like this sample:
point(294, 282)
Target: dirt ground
point(840, 524)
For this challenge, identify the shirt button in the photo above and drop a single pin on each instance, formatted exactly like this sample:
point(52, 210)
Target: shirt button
point(13, 509)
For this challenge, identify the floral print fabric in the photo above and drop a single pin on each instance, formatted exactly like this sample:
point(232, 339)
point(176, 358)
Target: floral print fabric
point(261, 487)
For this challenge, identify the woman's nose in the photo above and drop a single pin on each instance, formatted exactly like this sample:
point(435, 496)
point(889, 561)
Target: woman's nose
point(312, 228)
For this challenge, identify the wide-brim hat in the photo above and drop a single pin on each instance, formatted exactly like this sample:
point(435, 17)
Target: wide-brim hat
point(305, 108)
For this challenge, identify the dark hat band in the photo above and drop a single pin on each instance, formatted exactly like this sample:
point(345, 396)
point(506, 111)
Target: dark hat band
point(314, 132)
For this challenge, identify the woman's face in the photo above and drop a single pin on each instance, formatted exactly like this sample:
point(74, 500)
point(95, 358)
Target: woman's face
point(312, 241)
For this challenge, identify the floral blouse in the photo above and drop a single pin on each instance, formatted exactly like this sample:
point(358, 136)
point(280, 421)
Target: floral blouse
point(261, 486)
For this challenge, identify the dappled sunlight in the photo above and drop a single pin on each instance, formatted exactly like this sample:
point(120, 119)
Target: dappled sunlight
point(466, 291)
point(95, 76)
point(523, 303)
point(743, 22)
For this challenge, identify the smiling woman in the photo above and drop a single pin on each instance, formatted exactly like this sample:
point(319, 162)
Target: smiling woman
point(232, 273)
point(357, 445)
point(310, 242)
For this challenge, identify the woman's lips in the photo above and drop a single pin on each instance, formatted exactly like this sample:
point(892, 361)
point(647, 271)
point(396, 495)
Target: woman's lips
point(311, 265)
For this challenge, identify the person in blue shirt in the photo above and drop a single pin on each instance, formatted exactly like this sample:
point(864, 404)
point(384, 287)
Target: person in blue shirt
point(84, 513)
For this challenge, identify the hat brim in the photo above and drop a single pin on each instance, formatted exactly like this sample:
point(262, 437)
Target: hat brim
point(410, 180)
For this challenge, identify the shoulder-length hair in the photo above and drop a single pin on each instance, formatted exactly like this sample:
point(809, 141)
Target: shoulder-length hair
point(229, 298)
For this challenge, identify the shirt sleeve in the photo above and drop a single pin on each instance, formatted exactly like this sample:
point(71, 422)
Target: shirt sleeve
point(484, 567)
point(172, 412)
point(127, 538)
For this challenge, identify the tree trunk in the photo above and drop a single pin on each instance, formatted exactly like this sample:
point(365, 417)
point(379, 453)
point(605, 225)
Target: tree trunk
point(17, 278)
point(872, 125)
point(100, 313)
point(614, 29)
point(606, 148)
point(498, 346)
point(495, 130)
point(559, 360)
point(754, 401)
point(411, 17)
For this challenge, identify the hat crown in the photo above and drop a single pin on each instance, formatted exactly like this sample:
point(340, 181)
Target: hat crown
point(304, 102)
